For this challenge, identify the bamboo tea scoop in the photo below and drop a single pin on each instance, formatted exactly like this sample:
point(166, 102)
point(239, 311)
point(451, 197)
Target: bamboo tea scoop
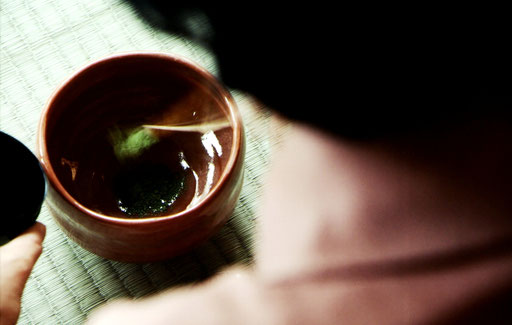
point(133, 142)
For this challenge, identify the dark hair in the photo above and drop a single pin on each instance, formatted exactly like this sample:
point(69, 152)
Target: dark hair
point(359, 73)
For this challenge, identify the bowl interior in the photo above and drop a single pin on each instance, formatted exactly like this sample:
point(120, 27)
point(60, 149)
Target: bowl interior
point(106, 155)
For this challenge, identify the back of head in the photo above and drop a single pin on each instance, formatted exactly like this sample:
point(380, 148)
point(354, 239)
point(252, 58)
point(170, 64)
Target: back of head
point(360, 73)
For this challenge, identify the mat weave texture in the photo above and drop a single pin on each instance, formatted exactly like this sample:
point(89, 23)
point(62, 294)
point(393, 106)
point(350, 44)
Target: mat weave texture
point(42, 43)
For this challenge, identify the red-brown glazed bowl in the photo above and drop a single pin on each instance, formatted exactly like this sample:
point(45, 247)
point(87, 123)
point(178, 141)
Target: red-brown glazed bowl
point(133, 193)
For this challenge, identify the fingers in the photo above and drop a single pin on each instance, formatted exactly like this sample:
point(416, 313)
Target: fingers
point(20, 254)
point(17, 258)
point(32, 236)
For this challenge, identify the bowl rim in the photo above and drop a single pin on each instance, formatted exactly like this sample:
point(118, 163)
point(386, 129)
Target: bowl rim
point(234, 155)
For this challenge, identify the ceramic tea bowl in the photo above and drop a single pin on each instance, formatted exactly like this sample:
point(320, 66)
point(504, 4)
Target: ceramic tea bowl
point(120, 182)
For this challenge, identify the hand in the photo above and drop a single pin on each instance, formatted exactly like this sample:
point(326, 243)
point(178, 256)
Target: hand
point(17, 258)
point(227, 298)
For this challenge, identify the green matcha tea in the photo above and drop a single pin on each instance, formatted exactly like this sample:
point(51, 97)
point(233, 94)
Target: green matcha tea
point(148, 189)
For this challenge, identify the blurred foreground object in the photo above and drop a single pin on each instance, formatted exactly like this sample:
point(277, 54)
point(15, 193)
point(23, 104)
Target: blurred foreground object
point(23, 187)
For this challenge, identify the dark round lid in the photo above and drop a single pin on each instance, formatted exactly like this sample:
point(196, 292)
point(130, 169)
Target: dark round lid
point(23, 188)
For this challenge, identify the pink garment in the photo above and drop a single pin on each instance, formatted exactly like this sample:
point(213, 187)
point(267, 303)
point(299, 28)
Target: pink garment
point(355, 233)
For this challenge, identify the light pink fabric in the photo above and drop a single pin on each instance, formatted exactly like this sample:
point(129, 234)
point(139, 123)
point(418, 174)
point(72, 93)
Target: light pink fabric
point(336, 220)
